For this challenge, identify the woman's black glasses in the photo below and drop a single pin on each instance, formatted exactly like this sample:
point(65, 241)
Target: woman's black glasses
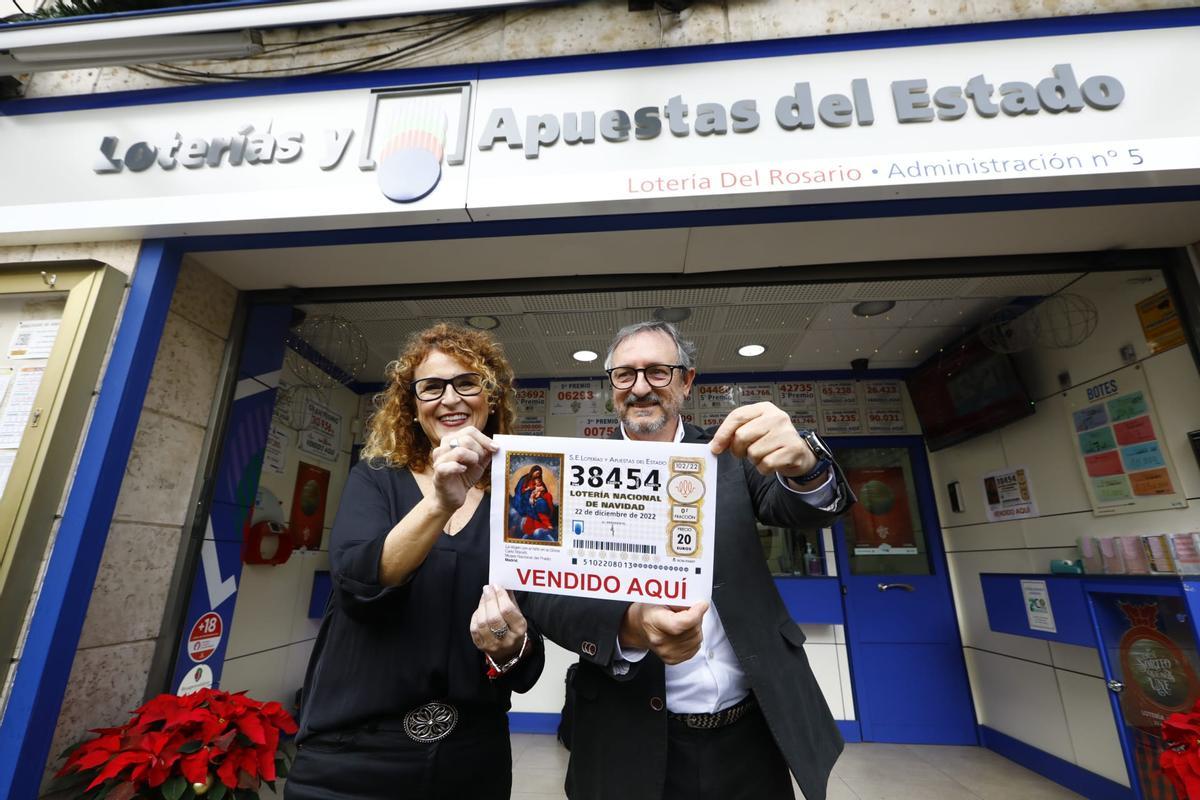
point(467, 384)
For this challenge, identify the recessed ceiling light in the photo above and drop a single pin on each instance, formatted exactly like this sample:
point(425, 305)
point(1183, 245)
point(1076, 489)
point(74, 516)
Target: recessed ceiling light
point(584, 355)
point(483, 322)
point(872, 308)
point(677, 314)
point(751, 350)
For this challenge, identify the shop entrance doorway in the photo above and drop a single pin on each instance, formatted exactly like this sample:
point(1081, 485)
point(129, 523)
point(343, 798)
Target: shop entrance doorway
point(901, 630)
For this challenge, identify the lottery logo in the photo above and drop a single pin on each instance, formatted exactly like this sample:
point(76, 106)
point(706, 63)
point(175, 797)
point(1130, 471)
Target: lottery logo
point(413, 136)
point(685, 489)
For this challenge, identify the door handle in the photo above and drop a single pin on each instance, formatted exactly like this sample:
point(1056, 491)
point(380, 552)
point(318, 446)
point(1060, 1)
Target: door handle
point(1116, 686)
point(908, 587)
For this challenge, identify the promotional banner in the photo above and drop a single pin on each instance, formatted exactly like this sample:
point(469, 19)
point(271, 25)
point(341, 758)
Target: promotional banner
point(1126, 466)
point(617, 520)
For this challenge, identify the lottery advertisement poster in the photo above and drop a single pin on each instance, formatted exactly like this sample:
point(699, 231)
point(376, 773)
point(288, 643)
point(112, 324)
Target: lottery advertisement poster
point(1124, 461)
point(617, 520)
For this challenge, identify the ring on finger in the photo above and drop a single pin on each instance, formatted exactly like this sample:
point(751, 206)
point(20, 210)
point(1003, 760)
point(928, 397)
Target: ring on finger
point(453, 443)
point(500, 632)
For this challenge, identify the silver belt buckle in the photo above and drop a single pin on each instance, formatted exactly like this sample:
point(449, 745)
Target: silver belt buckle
point(431, 722)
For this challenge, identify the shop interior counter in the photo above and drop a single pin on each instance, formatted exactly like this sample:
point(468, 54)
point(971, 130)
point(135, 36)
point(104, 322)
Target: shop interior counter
point(1055, 607)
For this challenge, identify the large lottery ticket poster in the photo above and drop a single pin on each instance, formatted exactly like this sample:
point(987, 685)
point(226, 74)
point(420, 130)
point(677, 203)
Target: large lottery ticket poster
point(1125, 462)
point(603, 518)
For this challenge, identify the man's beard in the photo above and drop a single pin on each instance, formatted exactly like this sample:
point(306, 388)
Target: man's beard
point(670, 408)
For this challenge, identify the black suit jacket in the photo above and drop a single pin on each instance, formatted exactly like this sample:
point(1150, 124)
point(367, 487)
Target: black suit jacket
point(619, 736)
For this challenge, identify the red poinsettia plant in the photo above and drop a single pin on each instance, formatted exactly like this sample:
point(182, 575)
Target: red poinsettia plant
point(1180, 762)
point(209, 743)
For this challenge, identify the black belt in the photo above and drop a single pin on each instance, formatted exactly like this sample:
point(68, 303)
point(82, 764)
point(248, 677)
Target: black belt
point(719, 719)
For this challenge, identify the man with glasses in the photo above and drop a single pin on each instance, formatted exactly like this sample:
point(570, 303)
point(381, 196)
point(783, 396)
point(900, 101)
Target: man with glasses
point(711, 701)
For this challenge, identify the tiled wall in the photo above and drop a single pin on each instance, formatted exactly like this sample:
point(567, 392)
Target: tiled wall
point(109, 674)
point(598, 26)
point(1051, 695)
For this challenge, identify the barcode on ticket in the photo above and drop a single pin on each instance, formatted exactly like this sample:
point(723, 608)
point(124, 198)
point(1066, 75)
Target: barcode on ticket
point(624, 547)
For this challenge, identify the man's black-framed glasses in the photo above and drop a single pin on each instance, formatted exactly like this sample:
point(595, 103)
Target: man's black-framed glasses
point(657, 375)
point(468, 384)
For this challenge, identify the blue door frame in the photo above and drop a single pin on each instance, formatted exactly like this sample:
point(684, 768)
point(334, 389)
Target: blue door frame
point(905, 650)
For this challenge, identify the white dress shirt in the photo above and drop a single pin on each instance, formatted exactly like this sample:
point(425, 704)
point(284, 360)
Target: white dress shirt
point(712, 679)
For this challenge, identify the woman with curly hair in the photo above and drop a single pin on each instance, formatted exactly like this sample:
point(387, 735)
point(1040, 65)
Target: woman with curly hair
point(408, 687)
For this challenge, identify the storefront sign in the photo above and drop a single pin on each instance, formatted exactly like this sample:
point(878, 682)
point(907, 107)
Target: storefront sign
point(802, 108)
point(1037, 114)
point(205, 637)
point(1126, 465)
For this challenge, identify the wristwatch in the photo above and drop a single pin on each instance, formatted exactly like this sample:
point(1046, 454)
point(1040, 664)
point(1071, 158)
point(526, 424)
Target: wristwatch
point(820, 450)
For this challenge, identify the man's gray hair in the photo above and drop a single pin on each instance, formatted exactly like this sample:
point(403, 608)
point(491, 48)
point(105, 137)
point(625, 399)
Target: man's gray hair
point(686, 350)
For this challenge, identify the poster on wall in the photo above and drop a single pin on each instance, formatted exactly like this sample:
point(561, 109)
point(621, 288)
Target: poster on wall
point(1038, 611)
point(1118, 442)
point(20, 404)
point(881, 518)
point(7, 457)
point(33, 338)
point(884, 400)
point(1160, 322)
point(1009, 495)
point(575, 397)
point(530, 425)
point(596, 427)
point(799, 399)
point(756, 393)
point(531, 402)
point(839, 407)
point(711, 419)
point(711, 396)
point(323, 431)
point(275, 455)
point(307, 522)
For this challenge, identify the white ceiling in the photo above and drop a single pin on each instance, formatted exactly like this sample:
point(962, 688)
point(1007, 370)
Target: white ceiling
point(713, 248)
point(803, 326)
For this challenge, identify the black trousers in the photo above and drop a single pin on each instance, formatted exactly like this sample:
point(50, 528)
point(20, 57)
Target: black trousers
point(379, 762)
point(738, 762)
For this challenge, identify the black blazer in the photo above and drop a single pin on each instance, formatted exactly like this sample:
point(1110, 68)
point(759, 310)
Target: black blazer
point(619, 736)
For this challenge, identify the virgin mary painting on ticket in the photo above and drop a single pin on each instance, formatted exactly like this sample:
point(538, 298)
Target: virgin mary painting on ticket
point(532, 485)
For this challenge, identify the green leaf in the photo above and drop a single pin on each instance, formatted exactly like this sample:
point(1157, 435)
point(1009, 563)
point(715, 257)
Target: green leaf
point(173, 788)
point(71, 749)
point(190, 747)
point(62, 784)
point(217, 792)
point(281, 768)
